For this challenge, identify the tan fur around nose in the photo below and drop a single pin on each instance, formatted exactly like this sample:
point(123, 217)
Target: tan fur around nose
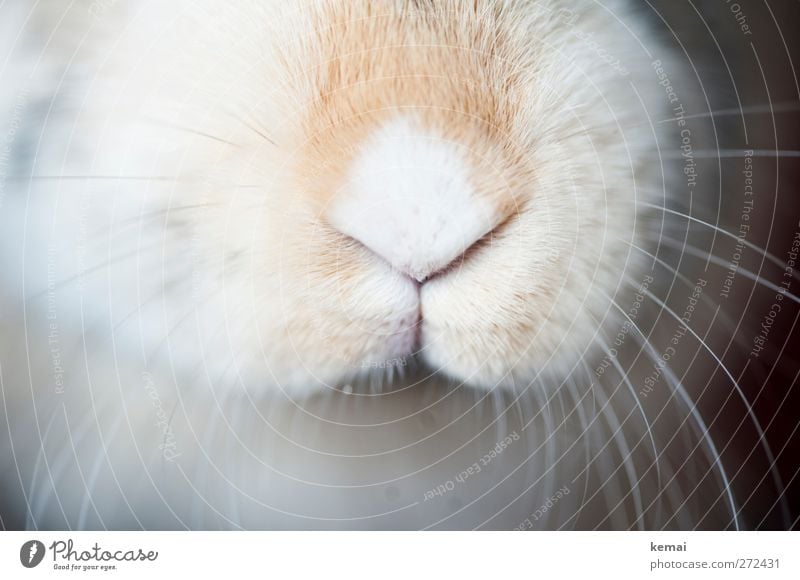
point(450, 64)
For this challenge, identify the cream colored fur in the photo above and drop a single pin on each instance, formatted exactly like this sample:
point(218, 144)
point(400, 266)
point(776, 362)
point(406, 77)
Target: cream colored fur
point(191, 224)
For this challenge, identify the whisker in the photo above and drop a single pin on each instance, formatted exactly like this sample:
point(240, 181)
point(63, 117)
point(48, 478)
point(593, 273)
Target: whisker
point(781, 496)
point(698, 253)
point(787, 107)
point(680, 390)
point(169, 178)
point(626, 452)
point(584, 428)
point(257, 131)
point(159, 178)
point(726, 319)
point(775, 260)
point(41, 459)
point(94, 476)
point(730, 154)
point(782, 492)
point(764, 381)
point(552, 430)
point(146, 217)
point(648, 425)
point(64, 282)
point(735, 383)
point(547, 473)
point(170, 125)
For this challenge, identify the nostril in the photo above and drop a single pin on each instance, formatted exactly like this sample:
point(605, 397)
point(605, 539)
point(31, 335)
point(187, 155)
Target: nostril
point(449, 267)
point(419, 277)
point(459, 260)
point(415, 276)
point(409, 250)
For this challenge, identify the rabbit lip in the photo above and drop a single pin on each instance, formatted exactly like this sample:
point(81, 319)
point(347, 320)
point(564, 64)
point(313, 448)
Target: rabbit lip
point(406, 341)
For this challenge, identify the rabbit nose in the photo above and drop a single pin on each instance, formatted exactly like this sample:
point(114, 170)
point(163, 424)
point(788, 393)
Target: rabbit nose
point(408, 198)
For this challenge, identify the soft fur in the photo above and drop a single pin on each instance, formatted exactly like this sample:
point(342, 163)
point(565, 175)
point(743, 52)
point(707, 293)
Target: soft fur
point(266, 197)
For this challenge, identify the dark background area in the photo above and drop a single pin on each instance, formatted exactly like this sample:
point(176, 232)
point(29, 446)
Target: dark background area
point(746, 56)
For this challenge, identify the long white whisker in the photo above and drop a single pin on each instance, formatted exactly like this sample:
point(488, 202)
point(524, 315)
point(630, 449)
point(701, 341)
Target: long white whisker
point(692, 250)
point(648, 426)
point(94, 475)
point(726, 319)
point(735, 383)
point(626, 452)
point(736, 336)
point(730, 154)
point(787, 107)
point(752, 246)
point(53, 475)
point(781, 492)
point(680, 390)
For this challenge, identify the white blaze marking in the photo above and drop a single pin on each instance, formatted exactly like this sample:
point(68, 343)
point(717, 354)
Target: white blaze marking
point(409, 199)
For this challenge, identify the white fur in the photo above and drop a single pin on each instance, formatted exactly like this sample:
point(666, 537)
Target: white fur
point(409, 199)
point(218, 279)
